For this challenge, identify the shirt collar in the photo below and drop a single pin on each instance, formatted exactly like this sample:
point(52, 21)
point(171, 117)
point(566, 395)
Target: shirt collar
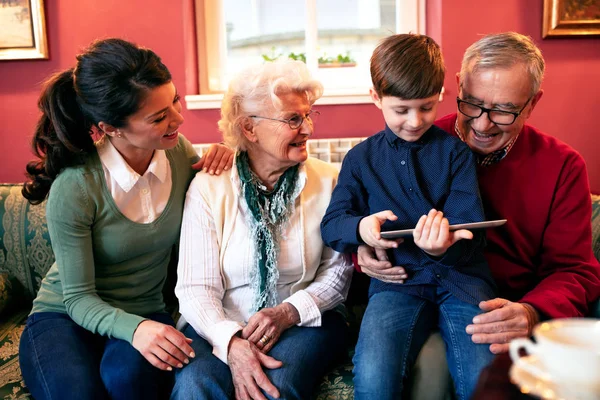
point(122, 173)
point(395, 141)
point(492, 158)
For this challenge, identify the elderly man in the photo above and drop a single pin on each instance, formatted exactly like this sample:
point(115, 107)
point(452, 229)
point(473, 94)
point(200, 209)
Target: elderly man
point(542, 258)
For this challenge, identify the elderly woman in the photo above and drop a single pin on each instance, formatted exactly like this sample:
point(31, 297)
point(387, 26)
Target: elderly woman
point(255, 283)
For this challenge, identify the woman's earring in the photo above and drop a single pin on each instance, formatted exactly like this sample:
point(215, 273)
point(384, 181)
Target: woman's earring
point(119, 134)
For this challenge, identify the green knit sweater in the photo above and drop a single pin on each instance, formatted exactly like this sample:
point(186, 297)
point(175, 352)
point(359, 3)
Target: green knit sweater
point(109, 271)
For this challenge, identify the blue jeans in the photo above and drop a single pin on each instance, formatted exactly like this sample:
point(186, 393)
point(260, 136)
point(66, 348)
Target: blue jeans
point(61, 360)
point(393, 330)
point(306, 353)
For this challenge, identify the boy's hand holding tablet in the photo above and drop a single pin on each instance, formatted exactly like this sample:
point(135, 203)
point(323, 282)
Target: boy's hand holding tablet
point(433, 233)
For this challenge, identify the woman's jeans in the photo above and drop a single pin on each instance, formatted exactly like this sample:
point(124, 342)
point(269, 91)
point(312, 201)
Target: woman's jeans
point(306, 353)
point(395, 327)
point(61, 360)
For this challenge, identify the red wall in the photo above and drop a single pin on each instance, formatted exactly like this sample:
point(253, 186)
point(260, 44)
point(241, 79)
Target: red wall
point(573, 69)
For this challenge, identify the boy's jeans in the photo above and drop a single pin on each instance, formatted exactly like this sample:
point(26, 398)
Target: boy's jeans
point(395, 327)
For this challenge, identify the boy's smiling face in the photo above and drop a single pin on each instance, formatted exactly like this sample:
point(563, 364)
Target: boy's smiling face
point(408, 119)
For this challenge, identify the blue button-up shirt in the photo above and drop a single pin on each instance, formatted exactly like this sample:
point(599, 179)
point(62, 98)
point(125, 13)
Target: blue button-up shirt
point(410, 178)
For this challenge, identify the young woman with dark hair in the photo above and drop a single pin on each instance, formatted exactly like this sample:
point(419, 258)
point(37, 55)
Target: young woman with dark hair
point(98, 328)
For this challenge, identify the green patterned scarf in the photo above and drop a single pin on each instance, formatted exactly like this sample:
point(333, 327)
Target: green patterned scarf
point(270, 213)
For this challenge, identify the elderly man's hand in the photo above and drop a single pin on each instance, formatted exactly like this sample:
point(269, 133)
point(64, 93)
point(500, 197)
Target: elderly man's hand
point(246, 363)
point(375, 263)
point(218, 158)
point(501, 322)
point(266, 326)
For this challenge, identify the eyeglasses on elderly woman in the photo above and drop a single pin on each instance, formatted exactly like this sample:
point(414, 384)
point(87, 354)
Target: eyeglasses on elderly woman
point(295, 121)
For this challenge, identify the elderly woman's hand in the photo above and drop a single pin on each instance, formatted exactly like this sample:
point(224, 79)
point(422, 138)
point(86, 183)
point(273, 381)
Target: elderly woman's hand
point(266, 326)
point(218, 158)
point(246, 364)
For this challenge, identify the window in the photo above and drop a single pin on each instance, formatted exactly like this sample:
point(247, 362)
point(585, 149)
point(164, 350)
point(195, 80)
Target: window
point(334, 37)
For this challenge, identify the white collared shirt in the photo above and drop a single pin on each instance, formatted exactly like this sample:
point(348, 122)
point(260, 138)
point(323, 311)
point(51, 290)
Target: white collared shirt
point(141, 198)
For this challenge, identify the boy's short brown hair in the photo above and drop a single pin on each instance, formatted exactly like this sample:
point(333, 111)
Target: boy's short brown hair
point(408, 66)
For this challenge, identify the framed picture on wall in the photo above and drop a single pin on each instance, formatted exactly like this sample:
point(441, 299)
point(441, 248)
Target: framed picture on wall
point(571, 18)
point(23, 32)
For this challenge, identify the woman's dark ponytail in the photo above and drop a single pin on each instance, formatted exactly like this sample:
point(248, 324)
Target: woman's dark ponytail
point(62, 136)
point(110, 82)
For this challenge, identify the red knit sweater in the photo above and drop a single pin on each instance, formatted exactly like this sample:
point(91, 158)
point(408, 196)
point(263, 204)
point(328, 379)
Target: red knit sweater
point(543, 255)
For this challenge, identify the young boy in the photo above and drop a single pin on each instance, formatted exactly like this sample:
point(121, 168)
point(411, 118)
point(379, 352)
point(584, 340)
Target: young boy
point(412, 175)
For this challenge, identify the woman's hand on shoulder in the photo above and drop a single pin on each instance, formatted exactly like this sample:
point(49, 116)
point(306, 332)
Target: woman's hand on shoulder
point(266, 326)
point(246, 363)
point(162, 345)
point(218, 158)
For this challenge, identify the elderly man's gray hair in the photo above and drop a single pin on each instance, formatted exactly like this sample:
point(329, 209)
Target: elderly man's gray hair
point(257, 90)
point(503, 50)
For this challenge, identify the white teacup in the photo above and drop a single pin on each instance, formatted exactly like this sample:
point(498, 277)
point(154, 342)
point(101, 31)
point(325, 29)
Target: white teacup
point(568, 350)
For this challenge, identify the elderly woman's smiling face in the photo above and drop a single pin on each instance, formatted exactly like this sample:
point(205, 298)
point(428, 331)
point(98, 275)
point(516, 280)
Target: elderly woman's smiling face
point(274, 144)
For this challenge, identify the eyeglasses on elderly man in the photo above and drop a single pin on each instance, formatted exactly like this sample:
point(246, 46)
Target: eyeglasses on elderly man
point(498, 117)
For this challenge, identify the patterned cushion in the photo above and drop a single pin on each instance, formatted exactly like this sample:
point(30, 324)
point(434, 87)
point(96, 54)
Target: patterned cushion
point(25, 251)
point(5, 291)
point(11, 383)
point(337, 384)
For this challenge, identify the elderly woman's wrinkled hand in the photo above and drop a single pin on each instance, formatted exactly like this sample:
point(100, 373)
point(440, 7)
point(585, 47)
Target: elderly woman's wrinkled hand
point(369, 229)
point(218, 158)
point(266, 326)
point(246, 363)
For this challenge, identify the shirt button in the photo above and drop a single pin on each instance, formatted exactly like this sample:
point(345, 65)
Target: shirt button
point(438, 276)
point(410, 189)
point(145, 191)
point(402, 162)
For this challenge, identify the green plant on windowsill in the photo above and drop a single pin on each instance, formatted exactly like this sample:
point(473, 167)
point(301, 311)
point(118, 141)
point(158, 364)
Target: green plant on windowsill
point(342, 60)
point(292, 55)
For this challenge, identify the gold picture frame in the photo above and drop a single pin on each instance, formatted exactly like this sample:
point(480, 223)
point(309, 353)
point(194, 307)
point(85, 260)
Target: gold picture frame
point(23, 33)
point(571, 18)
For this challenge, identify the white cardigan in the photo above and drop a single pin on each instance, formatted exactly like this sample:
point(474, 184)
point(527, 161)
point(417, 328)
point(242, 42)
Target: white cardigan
point(212, 211)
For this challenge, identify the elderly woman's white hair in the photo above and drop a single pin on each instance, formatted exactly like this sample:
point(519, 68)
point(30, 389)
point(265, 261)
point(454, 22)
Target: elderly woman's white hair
point(256, 90)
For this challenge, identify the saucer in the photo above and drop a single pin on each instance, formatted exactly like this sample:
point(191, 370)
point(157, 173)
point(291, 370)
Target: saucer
point(542, 385)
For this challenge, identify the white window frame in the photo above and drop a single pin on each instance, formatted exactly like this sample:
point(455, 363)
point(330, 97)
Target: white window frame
point(211, 45)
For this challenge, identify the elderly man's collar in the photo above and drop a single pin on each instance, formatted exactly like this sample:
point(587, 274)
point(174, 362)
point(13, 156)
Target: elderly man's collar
point(492, 158)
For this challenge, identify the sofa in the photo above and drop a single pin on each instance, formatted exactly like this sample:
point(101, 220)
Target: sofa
point(26, 255)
